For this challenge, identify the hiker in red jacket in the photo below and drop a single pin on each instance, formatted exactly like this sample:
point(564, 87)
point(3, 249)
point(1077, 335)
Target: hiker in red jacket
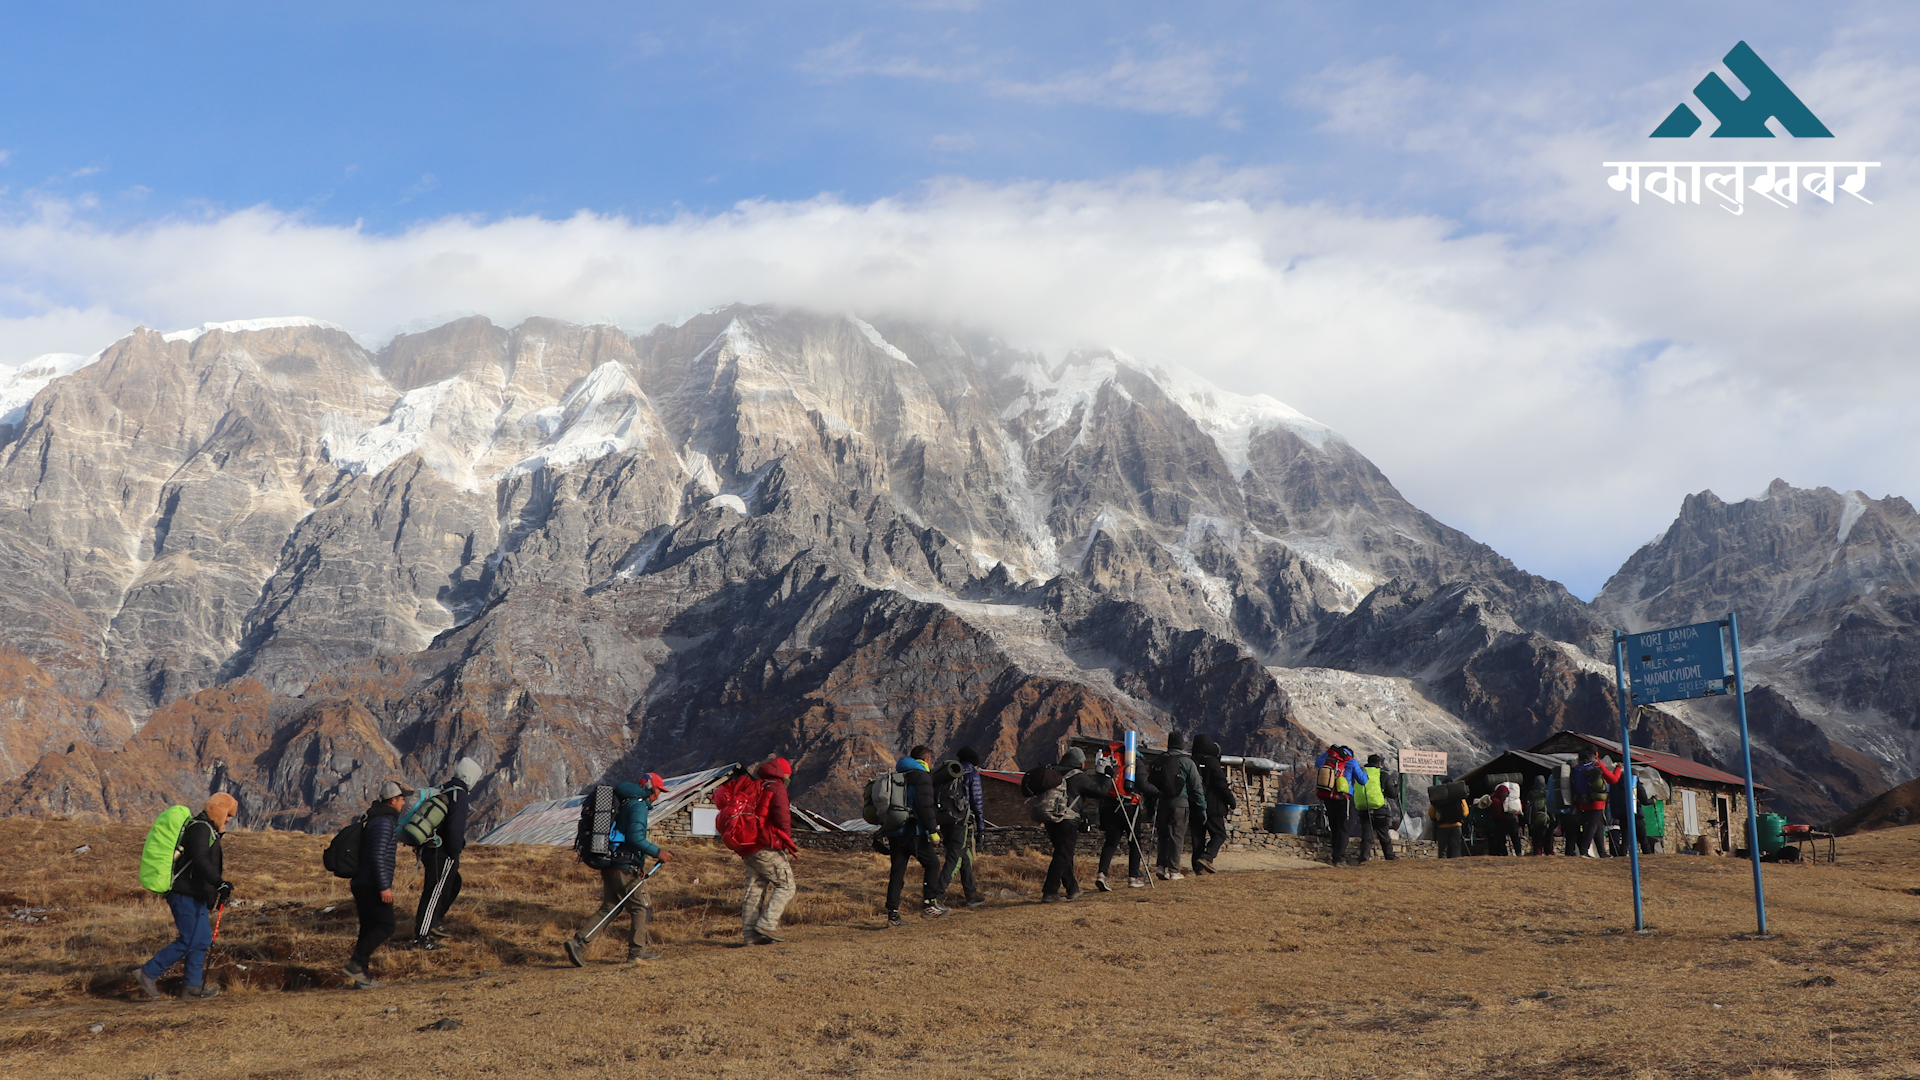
point(769, 871)
point(1590, 781)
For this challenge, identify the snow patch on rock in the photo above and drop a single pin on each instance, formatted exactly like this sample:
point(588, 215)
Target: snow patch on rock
point(879, 342)
point(408, 427)
point(21, 384)
point(244, 325)
point(1855, 506)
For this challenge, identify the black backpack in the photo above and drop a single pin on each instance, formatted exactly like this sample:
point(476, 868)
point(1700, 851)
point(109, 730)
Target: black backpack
point(342, 857)
point(1040, 779)
point(1166, 776)
point(593, 840)
point(949, 793)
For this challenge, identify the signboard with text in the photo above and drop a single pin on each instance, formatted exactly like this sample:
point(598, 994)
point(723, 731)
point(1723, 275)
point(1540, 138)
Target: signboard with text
point(1677, 663)
point(1424, 762)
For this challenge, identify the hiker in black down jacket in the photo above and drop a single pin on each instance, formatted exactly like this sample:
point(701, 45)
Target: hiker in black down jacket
point(1181, 792)
point(373, 886)
point(1210, 825)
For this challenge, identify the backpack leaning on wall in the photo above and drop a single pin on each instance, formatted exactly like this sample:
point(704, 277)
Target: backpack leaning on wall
point(163, 850)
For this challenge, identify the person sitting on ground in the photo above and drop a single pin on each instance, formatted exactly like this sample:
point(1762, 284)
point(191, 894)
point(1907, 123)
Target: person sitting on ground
point(1591, 782)
point(918, 839)
point(440, 857)
point(770, 883)
point(623, 886)
point(1080, 789)
point(1210, 828)
point(1372, 802)
point(1182, 793)
point(198, 889)
point(962, 834)
point(372, 886)
point(1449, 827)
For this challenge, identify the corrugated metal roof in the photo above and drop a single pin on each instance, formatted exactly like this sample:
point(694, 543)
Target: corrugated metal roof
point(1670, 764)
point(557, 821)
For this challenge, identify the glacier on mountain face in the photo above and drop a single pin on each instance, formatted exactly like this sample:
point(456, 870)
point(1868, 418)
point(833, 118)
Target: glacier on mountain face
point(17, 390)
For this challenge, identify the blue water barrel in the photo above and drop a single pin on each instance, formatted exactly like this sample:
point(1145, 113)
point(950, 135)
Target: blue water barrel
point(1285, 817)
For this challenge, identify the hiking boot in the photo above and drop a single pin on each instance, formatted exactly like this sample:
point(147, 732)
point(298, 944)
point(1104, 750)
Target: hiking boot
point(1136, 883)
point(357, 976)
point(441, 931)
point(427, 944)
point(147, 985)
point(931, 910)
point(894, 921)
point(576, 951)
point(761, 937)
point(1100, 882)
point(977, 902)
point(1052, 898)
point(637, 953)
point(1075, 893)
point(1204, 866)
point(1175, 875)
point(201, 992)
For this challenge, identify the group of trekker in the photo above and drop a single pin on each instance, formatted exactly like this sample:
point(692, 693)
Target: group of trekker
point(929, 812)
point(183, 861)
point(1586, 808)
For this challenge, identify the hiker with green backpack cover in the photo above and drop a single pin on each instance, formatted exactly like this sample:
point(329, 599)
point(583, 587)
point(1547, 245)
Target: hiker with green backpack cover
point(182, 859)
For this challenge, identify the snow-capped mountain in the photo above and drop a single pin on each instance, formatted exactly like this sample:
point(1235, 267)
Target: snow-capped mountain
point(575, 553)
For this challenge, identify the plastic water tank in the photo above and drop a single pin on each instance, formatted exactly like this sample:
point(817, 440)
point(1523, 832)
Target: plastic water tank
point(1285, 817)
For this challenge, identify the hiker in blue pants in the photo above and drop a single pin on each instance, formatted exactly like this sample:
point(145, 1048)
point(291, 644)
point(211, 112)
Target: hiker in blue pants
point(197, 890)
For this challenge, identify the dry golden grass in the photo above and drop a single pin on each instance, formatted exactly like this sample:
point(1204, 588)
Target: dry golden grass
point(1417, 969)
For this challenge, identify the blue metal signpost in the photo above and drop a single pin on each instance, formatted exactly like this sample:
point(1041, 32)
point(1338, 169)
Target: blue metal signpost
point(1676, 664)
point(1633, 798)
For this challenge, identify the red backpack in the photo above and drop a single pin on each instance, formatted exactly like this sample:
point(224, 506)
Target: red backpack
point(742, 820)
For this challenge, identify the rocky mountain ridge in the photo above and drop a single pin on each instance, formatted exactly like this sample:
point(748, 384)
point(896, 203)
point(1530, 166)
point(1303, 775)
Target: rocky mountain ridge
point(574, 553)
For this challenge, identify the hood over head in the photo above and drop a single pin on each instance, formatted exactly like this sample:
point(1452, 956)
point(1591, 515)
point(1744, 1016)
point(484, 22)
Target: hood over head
point(1205, 747)
point(467, 771)
point(220, 809)
point(628, 790)
point(776, 769)
point(909, 764)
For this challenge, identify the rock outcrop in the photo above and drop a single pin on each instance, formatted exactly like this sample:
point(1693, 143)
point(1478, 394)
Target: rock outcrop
point(1827, 588)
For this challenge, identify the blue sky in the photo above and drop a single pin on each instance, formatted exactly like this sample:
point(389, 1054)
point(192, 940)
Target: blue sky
point(1390, 216)
point(389, 113)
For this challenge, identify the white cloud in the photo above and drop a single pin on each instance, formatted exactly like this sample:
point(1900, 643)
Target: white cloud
point(1171, 80)
point(1556, 400)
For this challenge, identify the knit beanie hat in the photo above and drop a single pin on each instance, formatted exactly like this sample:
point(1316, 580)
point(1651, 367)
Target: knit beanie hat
point(777, 769)
point(1074, 758)
point(1176, 741)
point(969, 755)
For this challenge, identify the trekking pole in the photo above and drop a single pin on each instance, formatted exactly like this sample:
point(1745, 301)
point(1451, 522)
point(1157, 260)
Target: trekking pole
point(617, 908)
point(1133, 836)
point(217, 913)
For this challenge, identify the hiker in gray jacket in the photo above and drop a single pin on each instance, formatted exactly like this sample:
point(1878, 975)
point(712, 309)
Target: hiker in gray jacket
point(1182, 792)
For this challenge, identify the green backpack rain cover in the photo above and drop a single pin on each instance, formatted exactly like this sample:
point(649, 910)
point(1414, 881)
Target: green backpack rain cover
point(163, 849)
